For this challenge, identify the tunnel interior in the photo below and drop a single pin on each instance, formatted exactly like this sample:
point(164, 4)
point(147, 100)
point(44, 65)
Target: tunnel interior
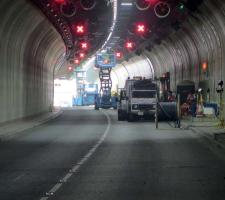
point(34, 50)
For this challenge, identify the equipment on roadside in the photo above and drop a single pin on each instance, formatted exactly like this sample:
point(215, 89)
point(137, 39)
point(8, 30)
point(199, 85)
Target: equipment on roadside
point(221, 108)
point(86, 95)
point(200, 106)
point(139, 99)
point(105, 62)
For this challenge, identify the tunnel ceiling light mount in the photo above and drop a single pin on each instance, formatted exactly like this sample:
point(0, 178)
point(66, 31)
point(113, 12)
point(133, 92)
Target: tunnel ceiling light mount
point(88, 4)
point(142, 5)
point(68, 10)
point(162, 9)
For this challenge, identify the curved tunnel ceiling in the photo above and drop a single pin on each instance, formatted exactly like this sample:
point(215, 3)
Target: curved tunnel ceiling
point(145, 23)
point(83, 25)
point(159, 19)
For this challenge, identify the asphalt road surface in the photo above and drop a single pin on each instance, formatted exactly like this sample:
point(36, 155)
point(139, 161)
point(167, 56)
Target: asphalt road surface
point(88, 155)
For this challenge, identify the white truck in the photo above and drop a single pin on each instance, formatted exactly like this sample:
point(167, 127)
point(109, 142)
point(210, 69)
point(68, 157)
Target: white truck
point(137, 99)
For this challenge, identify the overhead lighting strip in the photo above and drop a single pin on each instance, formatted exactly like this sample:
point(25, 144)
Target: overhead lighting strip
point(126, 4)
point(115, 13)
point(115, 10)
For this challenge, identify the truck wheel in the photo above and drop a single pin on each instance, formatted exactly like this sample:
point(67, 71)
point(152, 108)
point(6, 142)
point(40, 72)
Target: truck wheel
point(130, 117)
point(120, 117)
point(124, 116)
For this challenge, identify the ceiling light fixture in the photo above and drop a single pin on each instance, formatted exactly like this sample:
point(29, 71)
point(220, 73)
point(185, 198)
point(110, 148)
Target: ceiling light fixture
point(126, 4)
point(115, 10)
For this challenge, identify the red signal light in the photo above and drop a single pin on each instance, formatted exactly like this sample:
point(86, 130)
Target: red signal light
point(84, 45)
point(140, 28)
point(70, 68)
point(82, 55)
point(76, 61)
point(79, 29)
point(204, 66)
point(129, 45)
point(118, 54)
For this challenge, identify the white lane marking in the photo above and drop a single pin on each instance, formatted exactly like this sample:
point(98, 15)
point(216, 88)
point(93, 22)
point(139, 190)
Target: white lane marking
point(44, 198)
point(55, 188)
point(66, 178)
point(76, 167)
point(18, 177)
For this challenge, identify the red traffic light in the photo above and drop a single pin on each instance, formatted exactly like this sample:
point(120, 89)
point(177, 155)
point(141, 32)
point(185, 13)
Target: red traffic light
point(118, 54)
point(204, 66)
point(70, 68)
point(129, 45)
point(82, 55)
point(79, 29)
point(76, 61)
point(140, 28)
point(84, 45)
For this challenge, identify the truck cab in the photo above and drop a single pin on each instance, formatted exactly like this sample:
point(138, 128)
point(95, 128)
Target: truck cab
point(143, 102)
point(137, 99)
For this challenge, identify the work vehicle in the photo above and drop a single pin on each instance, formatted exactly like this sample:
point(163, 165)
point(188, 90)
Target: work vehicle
point(137, 99)
point(105, 102)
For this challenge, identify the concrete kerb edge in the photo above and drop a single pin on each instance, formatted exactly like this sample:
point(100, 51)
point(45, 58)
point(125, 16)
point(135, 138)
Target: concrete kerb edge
point(209, 139)
point(53, 116)
point(10, 135)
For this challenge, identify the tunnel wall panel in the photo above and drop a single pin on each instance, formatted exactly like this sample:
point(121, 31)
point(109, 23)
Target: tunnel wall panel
point(27, 48)
point(200, 39)
point(136, 66)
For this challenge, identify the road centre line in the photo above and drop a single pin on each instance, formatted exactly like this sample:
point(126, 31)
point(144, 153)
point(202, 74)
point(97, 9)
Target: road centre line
point(76, 167)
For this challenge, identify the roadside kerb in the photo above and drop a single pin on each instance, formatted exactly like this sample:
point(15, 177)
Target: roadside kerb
point(10, 130)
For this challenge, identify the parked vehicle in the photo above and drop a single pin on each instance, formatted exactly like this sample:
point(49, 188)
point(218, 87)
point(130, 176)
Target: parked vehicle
point(137, 99)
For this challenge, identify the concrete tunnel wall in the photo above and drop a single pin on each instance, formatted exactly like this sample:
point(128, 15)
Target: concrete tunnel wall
point(136, 66)
point(201, 39)
point(29, 48)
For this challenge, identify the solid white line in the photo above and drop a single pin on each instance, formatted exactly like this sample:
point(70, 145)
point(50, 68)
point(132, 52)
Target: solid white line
point(44, 198)
point(66, 178)
point(18, 177)
point(76, 167)
point(55, 188)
